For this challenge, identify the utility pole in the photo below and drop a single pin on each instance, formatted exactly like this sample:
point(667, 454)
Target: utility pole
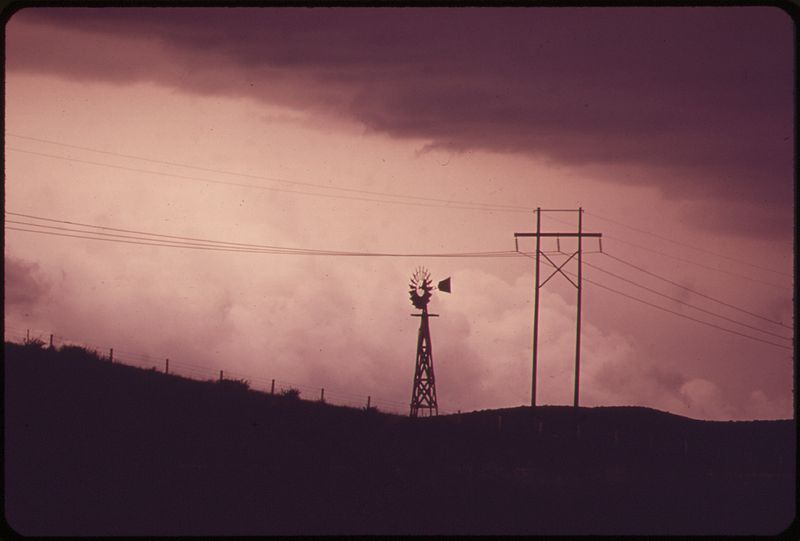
point(536, 308)
point(558, 270)
point(578, 318)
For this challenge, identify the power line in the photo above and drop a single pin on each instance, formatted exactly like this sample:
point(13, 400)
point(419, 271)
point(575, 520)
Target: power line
point(729, 273)
point(686, 245)
point(222, 249)
point(151, 242)
point(456, 204)
point(265, 247)
point(257, 248)
point(158, 242)
point(689, 261)
point(676, 284)
point(469, 206)
point(688, 317)
point(672, 311)
point(108, 237)
point(679, 301)
point(256, 186)
point(274, 179)
point(141, 243)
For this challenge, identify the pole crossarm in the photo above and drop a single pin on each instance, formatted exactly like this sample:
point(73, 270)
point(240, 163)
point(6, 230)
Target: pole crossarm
point(598, 235)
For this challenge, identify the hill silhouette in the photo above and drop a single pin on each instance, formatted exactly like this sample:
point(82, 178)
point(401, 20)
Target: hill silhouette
point(95, 448)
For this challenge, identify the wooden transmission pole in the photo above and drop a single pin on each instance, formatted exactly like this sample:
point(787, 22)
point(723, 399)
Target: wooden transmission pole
point(558, 270)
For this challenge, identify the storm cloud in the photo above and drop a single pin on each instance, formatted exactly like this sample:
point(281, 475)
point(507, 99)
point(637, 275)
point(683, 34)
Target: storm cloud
point(694, 101)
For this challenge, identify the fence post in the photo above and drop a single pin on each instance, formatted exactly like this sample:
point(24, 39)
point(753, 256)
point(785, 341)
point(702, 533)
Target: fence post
point(51, 341)
point(166, 368)
point(272, 389)
point(27, 335)
point(111, 355)
point(322, 395)
point(220, 375)
point(369, 399)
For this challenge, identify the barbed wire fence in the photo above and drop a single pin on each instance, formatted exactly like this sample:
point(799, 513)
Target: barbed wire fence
point(198, 372)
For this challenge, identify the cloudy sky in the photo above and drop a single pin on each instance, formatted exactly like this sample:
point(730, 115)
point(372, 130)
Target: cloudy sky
point(419, 133)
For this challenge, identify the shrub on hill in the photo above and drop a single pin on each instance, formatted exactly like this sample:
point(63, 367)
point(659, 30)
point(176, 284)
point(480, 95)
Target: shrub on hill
point(234, 384)
point(290, 393)
point(33, 343)
point(70, 352)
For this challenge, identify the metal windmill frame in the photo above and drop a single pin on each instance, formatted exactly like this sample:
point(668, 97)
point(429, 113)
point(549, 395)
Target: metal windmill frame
point(423, 394)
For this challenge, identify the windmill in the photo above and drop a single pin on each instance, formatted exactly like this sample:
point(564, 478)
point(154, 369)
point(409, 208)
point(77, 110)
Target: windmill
point(423, 395)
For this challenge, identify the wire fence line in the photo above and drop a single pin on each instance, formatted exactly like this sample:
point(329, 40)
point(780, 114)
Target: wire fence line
point(204, 373)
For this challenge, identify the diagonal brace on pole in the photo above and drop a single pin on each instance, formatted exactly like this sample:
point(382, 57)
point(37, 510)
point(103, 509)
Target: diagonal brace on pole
point(558, 269)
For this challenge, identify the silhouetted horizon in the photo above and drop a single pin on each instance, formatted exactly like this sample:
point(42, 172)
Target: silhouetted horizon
point(98, 448)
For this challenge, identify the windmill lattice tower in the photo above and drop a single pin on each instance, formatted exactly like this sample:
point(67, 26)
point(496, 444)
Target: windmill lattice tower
point(423, 395)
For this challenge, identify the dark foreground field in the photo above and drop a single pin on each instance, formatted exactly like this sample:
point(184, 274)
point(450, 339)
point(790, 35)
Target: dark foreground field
point(93, 448)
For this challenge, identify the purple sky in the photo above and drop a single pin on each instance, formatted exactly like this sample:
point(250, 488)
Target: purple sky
point(676, 121)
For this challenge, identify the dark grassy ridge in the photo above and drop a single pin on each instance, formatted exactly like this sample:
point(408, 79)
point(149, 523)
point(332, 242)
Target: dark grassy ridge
point(93, 448)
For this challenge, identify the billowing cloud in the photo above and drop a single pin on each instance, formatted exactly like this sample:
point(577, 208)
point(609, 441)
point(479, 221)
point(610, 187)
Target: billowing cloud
point(696, 101)
point(705, 399)
point(305, 330)
point(26, 287)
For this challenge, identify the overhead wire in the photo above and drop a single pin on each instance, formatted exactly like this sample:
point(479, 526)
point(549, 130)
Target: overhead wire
point(679, 301)
point(276, 252)
point(150, 241)
point(208, 241)
point(204, 244)
point(228, 246)
point(272, 179)
point(686, 245)
point(485, 207)
point(448, 203)
point(487, 254)
point(689, 261)
point(703, 322)
point(694, 291)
